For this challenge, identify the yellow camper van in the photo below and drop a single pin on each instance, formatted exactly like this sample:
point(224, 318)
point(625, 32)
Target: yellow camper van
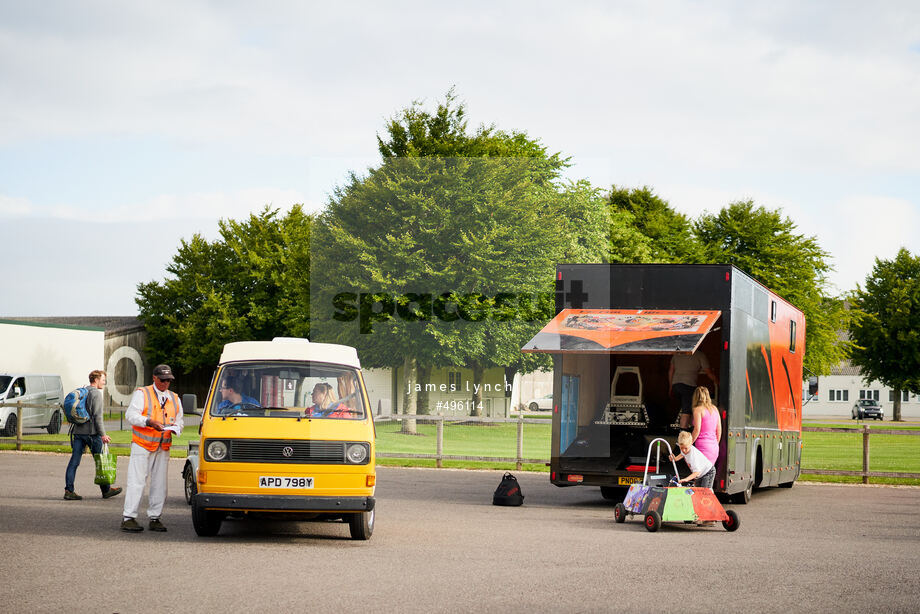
point(285, 432)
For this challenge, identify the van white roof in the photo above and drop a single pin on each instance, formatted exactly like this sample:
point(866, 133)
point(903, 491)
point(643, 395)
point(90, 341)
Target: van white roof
point(290, 348)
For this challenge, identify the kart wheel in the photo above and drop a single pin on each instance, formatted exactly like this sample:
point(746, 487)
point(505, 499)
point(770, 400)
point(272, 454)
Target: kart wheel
point(733, 521)
point(619, 512)
point(652, 521)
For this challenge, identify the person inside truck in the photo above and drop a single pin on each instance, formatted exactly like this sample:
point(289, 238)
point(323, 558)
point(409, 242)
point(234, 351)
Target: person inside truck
point(707, 427)
point(682, 376)
point(233, 398)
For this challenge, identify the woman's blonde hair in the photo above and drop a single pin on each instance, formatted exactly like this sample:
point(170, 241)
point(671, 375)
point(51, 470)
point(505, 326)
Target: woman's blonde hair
point(347, 389)
point(701, 397)
point(327, 396)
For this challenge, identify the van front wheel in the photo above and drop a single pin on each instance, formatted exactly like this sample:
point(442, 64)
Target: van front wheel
point(10, 428)
point(361, 525)
point(206, 523)
point(54, 427)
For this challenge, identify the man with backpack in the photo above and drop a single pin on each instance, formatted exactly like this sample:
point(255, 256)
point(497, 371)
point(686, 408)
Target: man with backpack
point(89, 434)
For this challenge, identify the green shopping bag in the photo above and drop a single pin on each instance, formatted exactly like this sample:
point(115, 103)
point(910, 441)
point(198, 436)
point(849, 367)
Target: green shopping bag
point(105, 466)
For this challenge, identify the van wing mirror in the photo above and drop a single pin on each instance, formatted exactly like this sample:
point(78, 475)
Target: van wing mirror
point(190, 404)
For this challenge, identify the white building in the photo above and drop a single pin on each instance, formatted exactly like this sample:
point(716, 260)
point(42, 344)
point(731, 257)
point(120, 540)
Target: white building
point(839, 391)
point(52, 349)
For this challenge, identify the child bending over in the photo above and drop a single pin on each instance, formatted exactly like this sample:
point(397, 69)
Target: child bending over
point(701, 468)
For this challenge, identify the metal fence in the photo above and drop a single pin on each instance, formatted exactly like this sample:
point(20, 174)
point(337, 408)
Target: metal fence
point(849, 442)
point(517, 440)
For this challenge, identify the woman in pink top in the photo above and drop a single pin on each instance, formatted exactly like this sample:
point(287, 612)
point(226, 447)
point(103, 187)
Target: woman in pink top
point(707, 427)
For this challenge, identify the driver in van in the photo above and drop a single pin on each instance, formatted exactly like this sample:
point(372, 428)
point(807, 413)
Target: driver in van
point(230, 390)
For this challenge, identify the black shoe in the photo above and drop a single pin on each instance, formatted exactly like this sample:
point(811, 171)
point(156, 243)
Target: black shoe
point(156, 525)
point(130, 525)
point(112, 492)
point(70, 495)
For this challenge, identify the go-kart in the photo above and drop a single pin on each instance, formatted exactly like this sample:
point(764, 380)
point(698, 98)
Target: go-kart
point(659, 501)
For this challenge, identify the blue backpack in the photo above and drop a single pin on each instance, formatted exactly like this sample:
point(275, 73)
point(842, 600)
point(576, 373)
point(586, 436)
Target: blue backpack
point(75, 406)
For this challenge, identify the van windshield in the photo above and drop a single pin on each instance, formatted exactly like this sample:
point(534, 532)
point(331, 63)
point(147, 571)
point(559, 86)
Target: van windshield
point(288, 390)
point(4, 383)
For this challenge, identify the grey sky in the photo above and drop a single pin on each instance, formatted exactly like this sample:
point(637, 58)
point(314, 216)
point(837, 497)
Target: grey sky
point(124, 127)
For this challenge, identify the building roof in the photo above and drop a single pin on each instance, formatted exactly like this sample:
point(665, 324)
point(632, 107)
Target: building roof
point(845, 368)
point(110, 324)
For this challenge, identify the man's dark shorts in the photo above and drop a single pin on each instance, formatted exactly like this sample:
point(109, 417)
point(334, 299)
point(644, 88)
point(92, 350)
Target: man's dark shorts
point(684, 393)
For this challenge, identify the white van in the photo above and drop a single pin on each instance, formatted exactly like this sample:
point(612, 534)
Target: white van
point(31, 390)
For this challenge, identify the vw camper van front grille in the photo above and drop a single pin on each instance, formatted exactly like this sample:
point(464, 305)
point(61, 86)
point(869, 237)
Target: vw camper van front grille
point(284, 451)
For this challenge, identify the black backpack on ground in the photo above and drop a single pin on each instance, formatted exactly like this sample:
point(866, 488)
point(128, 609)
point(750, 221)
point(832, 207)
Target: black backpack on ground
point(508, 492)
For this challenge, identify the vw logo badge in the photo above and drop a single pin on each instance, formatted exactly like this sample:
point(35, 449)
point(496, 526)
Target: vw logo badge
point(287, 451)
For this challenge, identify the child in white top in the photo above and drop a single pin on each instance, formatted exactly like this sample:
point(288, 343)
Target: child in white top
point(701, 468)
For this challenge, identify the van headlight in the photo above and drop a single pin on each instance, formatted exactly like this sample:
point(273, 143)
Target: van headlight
point(216, 450)
point(356, 453)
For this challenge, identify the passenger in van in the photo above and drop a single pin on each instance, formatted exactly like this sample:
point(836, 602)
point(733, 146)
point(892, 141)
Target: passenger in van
point(682, 375)
point(325, 404)
point(347, 391)
point(233, 398)
point(707, 427)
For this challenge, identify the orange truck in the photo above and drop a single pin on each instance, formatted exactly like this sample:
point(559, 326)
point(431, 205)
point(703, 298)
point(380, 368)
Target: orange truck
point(615, 332)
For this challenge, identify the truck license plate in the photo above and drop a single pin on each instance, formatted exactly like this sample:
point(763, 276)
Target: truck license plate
point(267, 481)
point(626, 481)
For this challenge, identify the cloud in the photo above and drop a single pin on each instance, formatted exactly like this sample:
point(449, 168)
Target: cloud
point(196, 206)
point(14, 207)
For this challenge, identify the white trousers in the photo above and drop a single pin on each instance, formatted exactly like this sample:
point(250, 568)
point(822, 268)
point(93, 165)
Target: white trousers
point(141, 464)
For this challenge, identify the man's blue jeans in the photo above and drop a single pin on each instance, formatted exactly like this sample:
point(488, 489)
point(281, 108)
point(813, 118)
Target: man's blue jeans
point(79, 444)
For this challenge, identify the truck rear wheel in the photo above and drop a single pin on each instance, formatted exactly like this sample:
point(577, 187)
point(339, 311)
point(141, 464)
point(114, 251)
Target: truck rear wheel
point(744, 497)
point(613, 493)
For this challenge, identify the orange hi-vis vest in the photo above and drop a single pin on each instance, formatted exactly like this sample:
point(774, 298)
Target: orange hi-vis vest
point(148, 437)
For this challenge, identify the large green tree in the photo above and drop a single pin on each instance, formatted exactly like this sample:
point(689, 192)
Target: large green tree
point(766, 245)
point(669, 234)
point(472, 219)
point(251, 283)
point(886, 327)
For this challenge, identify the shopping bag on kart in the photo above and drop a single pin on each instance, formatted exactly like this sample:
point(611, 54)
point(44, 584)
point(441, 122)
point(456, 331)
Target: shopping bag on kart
point(105, 466)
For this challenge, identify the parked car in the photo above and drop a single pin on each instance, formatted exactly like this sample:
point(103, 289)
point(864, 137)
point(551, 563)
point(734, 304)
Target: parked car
point(544, 403)
point(43, 394)
point(867, 408)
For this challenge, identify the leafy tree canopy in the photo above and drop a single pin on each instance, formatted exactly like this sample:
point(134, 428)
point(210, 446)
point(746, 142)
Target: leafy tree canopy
point(765, 245)
point(249, 284)
point(669, 234)
point(886, 328)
